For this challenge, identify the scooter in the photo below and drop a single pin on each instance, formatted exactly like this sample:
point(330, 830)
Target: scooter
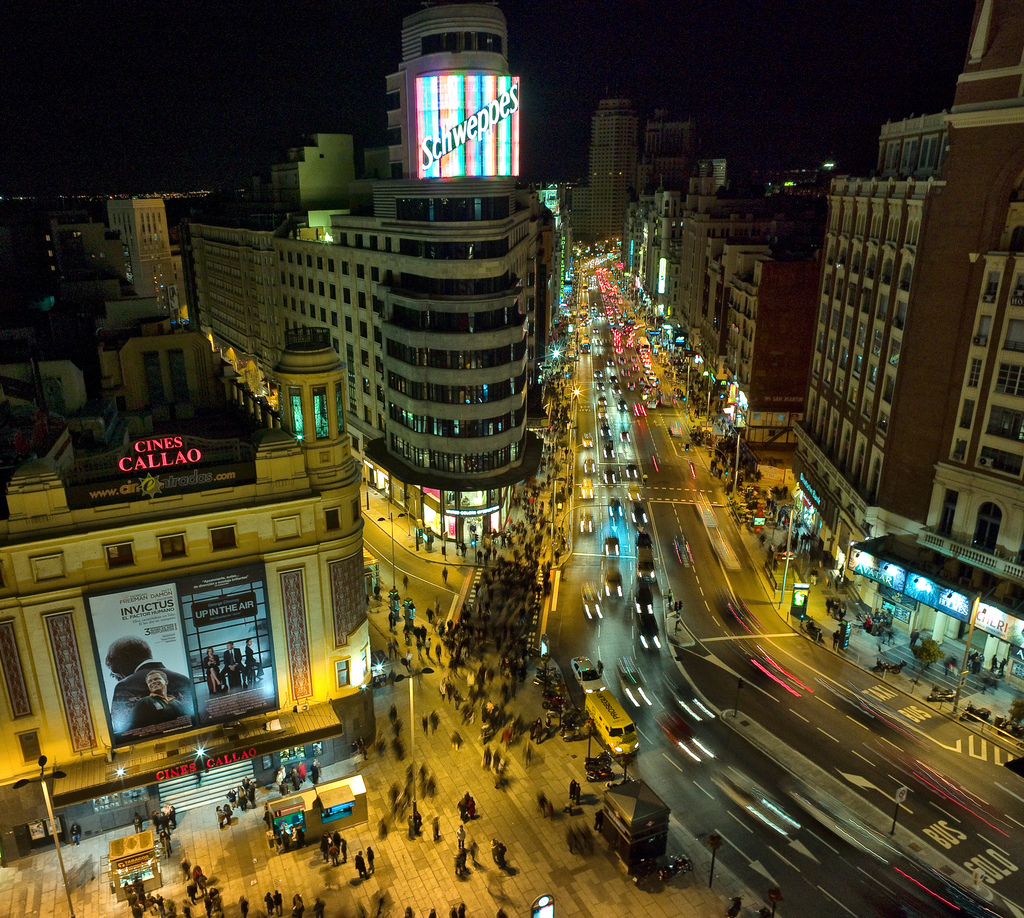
point(811, 627)
point(679, 864)
point(643, 869)
point(941, 694)
point(600, 772)
point(882, 666)
point(973, 713)
point(1013, 727)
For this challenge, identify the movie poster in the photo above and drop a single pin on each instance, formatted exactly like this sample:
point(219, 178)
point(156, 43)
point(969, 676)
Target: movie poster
point(147, 684)
point(227, 636)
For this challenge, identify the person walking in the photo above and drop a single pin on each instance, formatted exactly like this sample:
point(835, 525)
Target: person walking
point(343, 848)
point(269, 900)
point(444, 575)
point(369, 858)
point(243, 906)
point(361, 866)
point(461, 836)
point(318, 907)
point(278, 902)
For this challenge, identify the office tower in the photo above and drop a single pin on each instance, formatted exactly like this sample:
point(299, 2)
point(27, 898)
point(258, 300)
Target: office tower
point(155, 270)
point(611, 175)
point(667, 158)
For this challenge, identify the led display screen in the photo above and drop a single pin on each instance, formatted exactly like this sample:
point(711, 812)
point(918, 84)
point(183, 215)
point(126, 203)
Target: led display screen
point(467, 124)
point(184, 654)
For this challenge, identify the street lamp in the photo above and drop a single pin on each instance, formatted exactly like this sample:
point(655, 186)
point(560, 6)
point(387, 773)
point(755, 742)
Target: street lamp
point(53, 822)
point(412, 717)
point(392, 517)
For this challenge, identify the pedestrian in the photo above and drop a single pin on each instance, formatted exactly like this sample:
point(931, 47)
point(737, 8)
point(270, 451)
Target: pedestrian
point(137, 822)
point(461, 835)
point(835, 640)
point(437, 829)
point(314, 771)
point(361, 866)
point(243, 906)
point(333, 851)
point(278, 902)
point(269, 900)
point(369, 858)
point(76, 829)
point(186, 868)
point(599, 820)
point(444, 575)
point(462, 910)
point(318, 907)
point(914, 637)
point(343, 847)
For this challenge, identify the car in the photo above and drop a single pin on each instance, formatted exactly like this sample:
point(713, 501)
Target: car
point(632, 491)
point(753, 800)
point(612, 578)
point(615, 511)
point(614, 379)
point(598, 374)
point(606, 431)
point(591, 602)
point(600, 385)
point(623, 407)
point(588, 441)
point(587, 522)
point(679, 732)
point(624, 436)
point(639, 514)
point(587, 675)
point(589, 466)
point(631, 681)
point(610, 475)
point(644, 600)
point(647, 630)
point(639, 410)
point(603, 402)
point(611, 547)
point(609, 449)
point(587, 489)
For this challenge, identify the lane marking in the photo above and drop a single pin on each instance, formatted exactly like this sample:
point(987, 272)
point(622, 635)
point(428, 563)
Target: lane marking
point(825, 843)
point(859, 756)
point(944, 813)
point(837, 902)
point(751, 831)
point(712, 796)
point(857, 722)
point(834, 740)
point(801, 716)
point(674, 763)
point(824, 702)
point(1010, 792)
point(784, 860)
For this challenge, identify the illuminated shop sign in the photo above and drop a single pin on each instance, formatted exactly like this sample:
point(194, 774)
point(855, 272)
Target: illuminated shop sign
point(871, 567)
point(467, 124)
point(805, 485)
point(472, 511)
point(662, 269)
point(159, 453)
point(191, 768)
point(995, 621)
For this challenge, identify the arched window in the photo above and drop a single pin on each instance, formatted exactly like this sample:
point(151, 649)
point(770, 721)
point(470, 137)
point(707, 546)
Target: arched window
point(986, 532)
point(870, 270)
point(887, 271)
point(1017, 239)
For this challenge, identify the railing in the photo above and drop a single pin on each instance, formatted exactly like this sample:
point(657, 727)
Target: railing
point(970, 554)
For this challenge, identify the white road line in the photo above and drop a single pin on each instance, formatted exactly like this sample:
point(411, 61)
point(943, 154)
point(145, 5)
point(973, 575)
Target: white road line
point(825, 843)
point(992, 843)
point(784, 860)
point(750, 830)
point(733, 844)
point(674, 763)
point(712, 796)
point(857, 722)
point(859, 756)
point(1008, 816)
point(801, 716)
point(944, 813)
point(873, 879)
point(824, 702)
point(890, 742)
point(837, 902)
point(829, 735)
point(1010, 792)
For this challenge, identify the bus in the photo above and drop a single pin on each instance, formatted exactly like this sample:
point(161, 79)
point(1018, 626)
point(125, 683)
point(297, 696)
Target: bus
point(611, 722)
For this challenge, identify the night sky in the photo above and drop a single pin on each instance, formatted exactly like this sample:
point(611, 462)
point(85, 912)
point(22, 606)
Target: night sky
point(157, 96)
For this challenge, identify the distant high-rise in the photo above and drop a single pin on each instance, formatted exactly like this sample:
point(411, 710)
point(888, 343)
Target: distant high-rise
point(155, 269)
point(667, 158)
point(612, 173)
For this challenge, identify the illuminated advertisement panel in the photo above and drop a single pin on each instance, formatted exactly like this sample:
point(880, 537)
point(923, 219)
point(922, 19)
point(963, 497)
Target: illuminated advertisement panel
point(467, 124)
point(185, 654)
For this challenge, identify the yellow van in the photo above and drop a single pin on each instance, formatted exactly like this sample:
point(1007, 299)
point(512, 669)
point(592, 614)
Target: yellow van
point(587, 489)
point(611, 722)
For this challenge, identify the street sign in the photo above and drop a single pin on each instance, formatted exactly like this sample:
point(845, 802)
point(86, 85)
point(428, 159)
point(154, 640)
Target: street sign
point(901, 794)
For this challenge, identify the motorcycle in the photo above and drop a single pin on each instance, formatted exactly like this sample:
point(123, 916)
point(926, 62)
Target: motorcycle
point(643, 869)
point(882, 666)
point(679, 864)
point(941, 694)
point(973, 713)
point(1013, 727)
point(600, 772)
point(810, 626)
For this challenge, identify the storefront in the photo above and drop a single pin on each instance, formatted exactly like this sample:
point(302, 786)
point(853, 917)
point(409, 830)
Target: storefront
point(916, 600)
point(132, 859)
point(335, 806)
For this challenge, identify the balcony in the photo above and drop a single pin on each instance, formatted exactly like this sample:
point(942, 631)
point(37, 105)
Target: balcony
point(994, 562)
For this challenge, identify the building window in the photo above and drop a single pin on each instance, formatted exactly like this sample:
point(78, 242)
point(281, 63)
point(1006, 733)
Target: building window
point(986, 531)
point(330, 265)
point(332, 519)
point(346, 295)
point(120, 555)
point(295, 402)
point(960, 451)
point(321, 422)
point(320, 287)
point(344, 267)
point(29, 743)
point(362, 329)
point(1005, 422)
point(333, 292)
point(334, 319)
point(341, 674)
point(1010, 380)
point(339, 407)
point(948, 511)
point(975, 373)
point(222, 537)
point(360, 270)
point(374, 273)
point(348, 324)
point(967, 413)
point(362, 300)
point(1000, 460)
point(172, 546)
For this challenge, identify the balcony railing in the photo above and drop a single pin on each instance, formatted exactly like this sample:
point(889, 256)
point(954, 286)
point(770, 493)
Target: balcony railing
point(971, 554)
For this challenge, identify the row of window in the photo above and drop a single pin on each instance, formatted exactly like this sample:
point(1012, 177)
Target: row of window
point(456, 427)
point(457, 360)
point(457, 286)
point(122, 554)
point(455, 462)
point(454, 251)
point(453, 210)
point(455, 42)
point(437, 321)
point(455, 394)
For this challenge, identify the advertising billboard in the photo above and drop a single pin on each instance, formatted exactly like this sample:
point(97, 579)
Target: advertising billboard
point(467, 124)
point(184, 654)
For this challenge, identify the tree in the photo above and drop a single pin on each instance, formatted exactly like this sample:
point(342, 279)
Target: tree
point(926, 651)
point(714, 842)
point(1017, 710)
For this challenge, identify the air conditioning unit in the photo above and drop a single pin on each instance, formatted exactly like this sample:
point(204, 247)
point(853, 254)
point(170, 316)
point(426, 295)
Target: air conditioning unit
point(981, 340)
point(989, 298)
point(983, 461)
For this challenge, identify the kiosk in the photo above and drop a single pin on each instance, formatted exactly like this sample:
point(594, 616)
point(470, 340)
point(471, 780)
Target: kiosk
point(331, 806)
point(132, 858)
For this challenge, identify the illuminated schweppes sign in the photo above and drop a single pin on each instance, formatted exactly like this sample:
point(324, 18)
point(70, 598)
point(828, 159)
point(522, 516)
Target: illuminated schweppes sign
point(467, 125)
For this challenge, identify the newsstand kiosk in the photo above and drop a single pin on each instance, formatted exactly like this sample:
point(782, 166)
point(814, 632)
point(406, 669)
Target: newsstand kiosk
point(132, 858)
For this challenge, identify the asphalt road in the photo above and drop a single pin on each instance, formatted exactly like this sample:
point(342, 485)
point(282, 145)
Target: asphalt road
point(854, 726)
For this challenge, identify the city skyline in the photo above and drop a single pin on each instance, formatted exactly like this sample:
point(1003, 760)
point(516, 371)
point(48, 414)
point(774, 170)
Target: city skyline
point(206, 96)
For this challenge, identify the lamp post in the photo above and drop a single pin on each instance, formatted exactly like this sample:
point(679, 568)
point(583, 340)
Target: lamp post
point(394, 573)
point(53, 822)
point(412, 718)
